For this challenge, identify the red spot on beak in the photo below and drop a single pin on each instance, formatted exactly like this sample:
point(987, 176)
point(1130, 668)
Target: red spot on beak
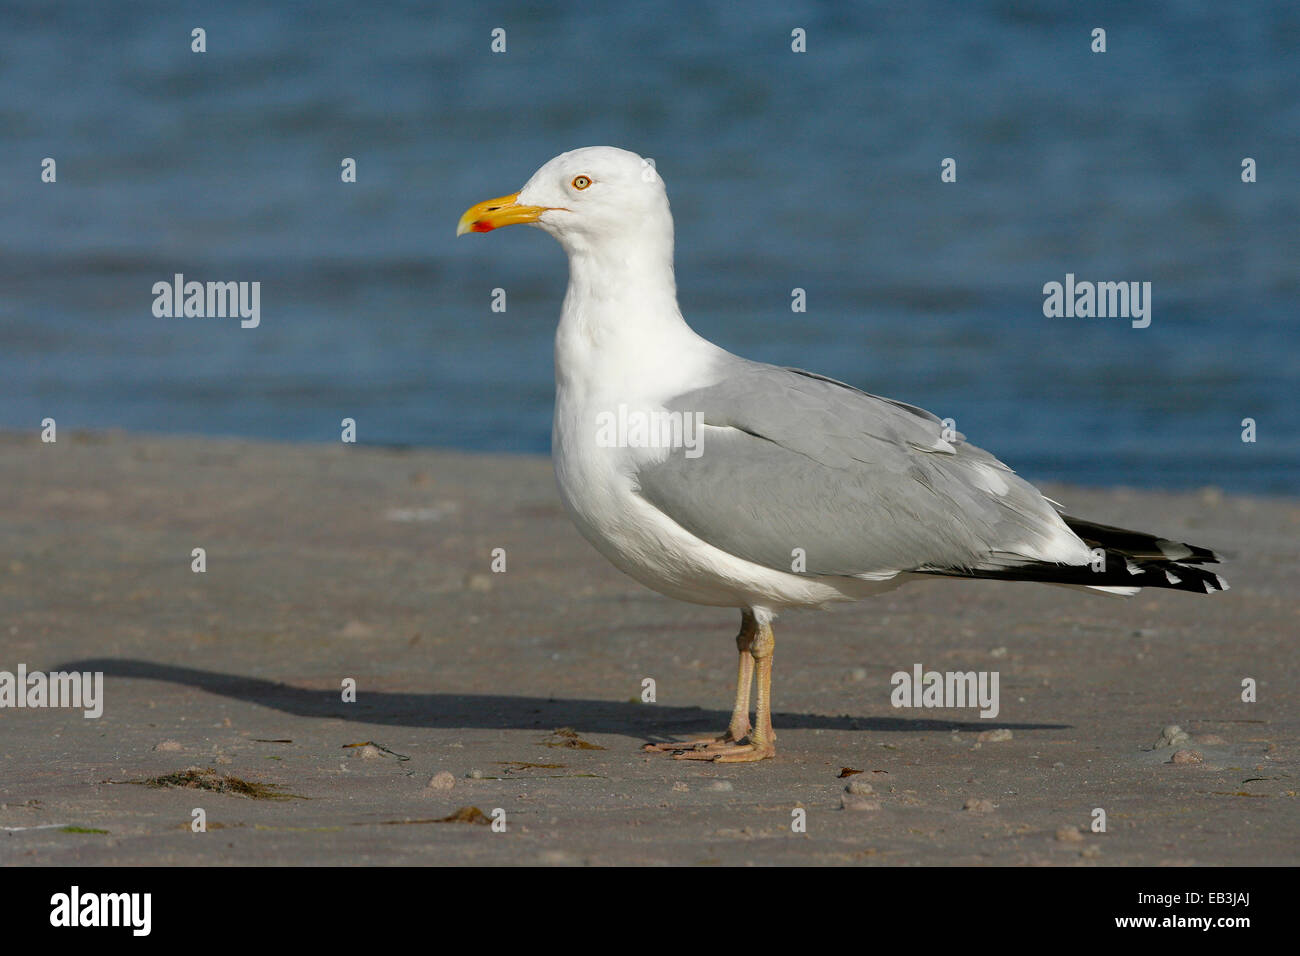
point(481, 226)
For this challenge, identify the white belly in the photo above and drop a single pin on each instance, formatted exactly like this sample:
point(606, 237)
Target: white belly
point(598, 487)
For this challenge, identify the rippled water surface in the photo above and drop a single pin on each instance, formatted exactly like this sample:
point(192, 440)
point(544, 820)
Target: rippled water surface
point(817, 170)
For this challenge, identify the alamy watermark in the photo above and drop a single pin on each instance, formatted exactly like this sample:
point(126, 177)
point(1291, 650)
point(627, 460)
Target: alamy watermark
point(82, 690)
point(656, 428)
point(209, 300)
point(1102, 300)
point(954, 689)
point(75, 908)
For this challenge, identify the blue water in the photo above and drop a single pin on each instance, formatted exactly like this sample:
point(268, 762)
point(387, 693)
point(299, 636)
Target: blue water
point(818, 170)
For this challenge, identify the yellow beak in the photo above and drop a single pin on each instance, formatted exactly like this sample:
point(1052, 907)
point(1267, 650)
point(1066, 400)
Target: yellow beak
point(494, 213)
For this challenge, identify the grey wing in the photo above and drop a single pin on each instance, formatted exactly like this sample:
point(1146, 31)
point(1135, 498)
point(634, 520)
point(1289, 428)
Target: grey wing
point(864, 485)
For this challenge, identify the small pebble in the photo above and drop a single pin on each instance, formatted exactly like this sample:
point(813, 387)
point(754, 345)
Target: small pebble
point(859, 673)
point(369, 752)
point(680, 787)
point(994, 736)
point(168, 746)
point(859, 787)
point(1069, 835)
point(223, 759)
point(978, 806)
point(998, 652)
point(1210, 740)
point(475, 775)
point(479, 582)
point(1171, 736)
point(442, 780)
point(721, 785)
point(1186, 756)
point(1090, 851)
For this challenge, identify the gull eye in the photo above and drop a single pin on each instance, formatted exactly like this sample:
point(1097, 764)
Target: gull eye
point(581, 182)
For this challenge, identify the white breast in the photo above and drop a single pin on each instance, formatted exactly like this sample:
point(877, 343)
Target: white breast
point(598, 487)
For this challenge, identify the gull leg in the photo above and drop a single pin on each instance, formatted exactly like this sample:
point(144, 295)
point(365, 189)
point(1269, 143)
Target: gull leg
point(739, 725)
point(762, 740)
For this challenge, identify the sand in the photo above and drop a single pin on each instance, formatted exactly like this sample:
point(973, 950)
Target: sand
point(330, 563)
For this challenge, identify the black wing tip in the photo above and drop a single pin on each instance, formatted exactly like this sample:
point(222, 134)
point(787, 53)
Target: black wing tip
point(1138, 545)
point(1119, 571)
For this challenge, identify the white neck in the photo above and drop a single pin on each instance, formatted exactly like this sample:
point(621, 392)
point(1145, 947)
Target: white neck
point(620, 328)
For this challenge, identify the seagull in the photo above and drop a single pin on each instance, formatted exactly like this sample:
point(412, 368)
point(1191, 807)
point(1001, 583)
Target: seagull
point(725, 482)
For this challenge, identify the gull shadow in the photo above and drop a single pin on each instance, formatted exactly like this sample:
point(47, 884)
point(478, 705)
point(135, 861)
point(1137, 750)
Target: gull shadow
point(494, 711)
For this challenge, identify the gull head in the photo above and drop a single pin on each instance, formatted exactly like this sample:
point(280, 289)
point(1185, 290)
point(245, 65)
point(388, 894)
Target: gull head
point(586, 198)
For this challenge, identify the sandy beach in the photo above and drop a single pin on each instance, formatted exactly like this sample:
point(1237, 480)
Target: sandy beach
point(519, 693)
